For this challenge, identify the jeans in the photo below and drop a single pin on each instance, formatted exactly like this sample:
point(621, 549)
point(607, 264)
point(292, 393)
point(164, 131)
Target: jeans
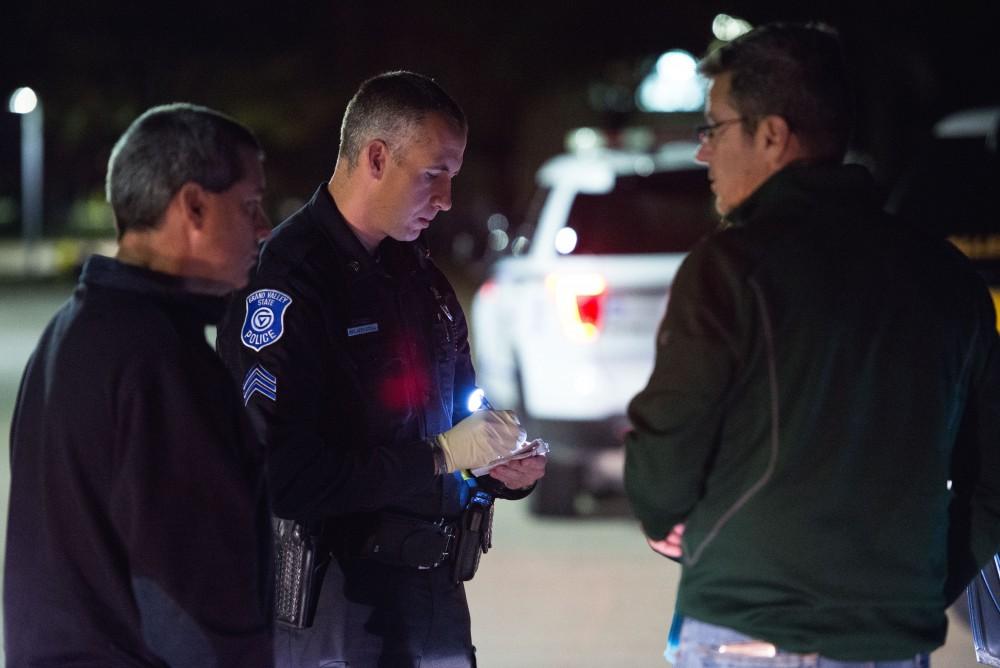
point(708, 646)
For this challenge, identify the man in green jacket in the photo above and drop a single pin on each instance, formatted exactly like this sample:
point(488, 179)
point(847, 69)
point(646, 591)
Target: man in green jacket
point(818, 441)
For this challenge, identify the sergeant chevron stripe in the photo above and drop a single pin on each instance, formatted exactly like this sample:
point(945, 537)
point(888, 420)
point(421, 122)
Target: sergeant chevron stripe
point(261, 381)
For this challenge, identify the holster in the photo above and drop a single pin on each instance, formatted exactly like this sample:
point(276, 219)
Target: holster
point(475, 536)
point(298, 573)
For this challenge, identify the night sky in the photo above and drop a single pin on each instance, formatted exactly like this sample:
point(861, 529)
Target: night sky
point(525, 72)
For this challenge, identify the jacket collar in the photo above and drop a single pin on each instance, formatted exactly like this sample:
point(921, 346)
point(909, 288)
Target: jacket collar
point(176, 291)
point(800, 187)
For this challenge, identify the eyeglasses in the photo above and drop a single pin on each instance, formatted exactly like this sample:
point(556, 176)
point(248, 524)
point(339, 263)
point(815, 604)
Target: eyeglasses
point(707, 132)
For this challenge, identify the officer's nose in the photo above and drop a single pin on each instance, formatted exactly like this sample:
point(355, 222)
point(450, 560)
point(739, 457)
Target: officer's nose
point(441, 199)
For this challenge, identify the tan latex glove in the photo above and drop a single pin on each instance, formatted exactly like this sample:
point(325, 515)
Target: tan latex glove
point(479, 439)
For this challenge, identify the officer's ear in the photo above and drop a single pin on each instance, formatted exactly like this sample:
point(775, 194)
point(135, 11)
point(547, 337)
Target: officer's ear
point(376, 157)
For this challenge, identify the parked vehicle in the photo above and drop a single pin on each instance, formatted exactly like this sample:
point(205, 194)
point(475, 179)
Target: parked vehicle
point(951, 189)
point(565, 324)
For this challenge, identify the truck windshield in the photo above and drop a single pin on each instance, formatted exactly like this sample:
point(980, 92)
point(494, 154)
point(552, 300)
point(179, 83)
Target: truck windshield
point(665, 212)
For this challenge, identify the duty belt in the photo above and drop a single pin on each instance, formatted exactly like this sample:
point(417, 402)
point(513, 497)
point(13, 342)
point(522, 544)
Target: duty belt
point(399, 540)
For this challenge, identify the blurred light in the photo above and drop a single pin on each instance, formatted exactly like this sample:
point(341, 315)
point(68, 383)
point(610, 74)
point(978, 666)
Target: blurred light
point(519, 246)
point(497, 221)
point(644, 165)
point(477, 400)
point(995, 293)
point(585, 139)
point(498, 240)
point(674, 85)
point(677, 65)
point(579, 301)
point(566, 240)
point(968, 123)
point(585, 380)
point(23, 101)
point(488, 290)
point(727, 28)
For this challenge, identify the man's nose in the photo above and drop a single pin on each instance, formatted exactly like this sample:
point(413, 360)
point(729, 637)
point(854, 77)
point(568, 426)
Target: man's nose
point(703, 153)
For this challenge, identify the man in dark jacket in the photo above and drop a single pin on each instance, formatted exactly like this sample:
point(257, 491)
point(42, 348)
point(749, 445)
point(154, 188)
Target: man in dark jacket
point(138, 532)
point(353, 354)
point(817, 443)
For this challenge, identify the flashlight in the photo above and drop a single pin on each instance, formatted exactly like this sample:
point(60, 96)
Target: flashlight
point(477, 401)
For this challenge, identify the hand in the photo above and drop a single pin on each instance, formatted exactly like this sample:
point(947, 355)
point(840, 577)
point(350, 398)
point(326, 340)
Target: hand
point(481, 438)
point(520, 473)
point(670, 546)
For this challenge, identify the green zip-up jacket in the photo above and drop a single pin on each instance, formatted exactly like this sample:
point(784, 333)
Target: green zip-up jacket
point(824, 415)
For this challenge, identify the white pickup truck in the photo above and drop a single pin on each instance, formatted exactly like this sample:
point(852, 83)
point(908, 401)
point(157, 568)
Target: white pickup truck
point(564, 326)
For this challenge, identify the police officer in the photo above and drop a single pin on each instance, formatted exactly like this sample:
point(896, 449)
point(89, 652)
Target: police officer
point(139, 531)
point(353, 354)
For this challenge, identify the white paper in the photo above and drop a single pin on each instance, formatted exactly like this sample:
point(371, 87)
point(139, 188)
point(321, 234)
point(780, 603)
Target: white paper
point(528, 449)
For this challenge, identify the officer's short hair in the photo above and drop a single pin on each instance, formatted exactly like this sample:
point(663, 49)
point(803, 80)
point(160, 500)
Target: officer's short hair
point(388, 106)
point(166, 147)
point(795, 71)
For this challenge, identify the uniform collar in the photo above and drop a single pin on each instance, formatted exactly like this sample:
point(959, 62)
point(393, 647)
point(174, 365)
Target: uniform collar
point(176, 291)
point(391, 256)
point(337, 229)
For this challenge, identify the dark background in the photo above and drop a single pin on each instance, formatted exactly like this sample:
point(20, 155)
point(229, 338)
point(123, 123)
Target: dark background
point(525, 72)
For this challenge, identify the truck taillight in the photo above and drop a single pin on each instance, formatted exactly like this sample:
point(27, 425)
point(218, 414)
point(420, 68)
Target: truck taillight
point(488, 289)
point(579, 300)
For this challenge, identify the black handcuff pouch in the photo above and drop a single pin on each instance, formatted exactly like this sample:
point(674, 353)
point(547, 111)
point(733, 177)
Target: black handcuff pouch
point(399, 540)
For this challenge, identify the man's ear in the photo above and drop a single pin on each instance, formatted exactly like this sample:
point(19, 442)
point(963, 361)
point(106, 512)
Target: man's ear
point(376, 156)
point(775, 138)
point(192, 200)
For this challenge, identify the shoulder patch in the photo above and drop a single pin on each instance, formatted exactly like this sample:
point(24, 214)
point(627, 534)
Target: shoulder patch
point(265, 318)
point(260, 381)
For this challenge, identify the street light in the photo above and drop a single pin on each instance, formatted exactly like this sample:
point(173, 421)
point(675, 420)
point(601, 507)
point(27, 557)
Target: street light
point(25, 102)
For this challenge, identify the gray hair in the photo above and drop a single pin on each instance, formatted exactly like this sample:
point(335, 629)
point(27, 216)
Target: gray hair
point(388, 106)
point(795, 71)
point(166, 147)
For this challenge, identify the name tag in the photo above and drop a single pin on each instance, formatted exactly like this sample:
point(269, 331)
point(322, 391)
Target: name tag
point(370, 328)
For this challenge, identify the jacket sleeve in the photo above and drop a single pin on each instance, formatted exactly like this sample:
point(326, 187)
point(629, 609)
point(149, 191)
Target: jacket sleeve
point(188, 502)
point(677, 417)
point(293, 389)
point(974, 522)
point(465, 384)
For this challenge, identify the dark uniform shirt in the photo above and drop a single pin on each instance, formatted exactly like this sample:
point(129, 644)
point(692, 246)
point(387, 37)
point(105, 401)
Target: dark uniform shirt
point(138, 532)
point(349, 362)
